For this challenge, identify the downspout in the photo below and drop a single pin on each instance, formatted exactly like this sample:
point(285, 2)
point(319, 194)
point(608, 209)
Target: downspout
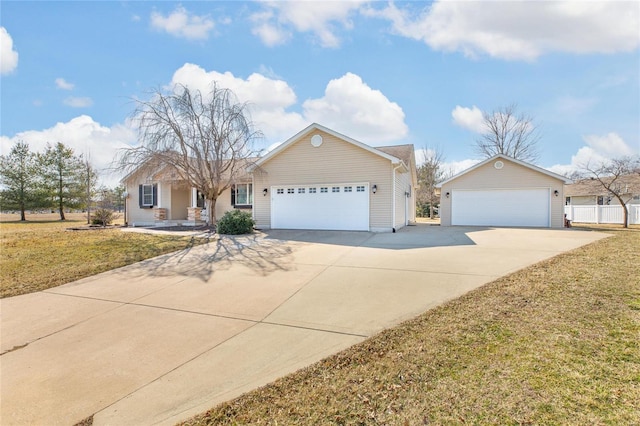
point(393, 223)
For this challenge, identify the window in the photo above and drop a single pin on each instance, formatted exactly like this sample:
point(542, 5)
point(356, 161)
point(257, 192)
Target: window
point(604, 201)
point(300, 190)
point(360, 188)
point(242, 194)
point(324, 189)
point(147, 195)
point(335, 189)
point(347, 189)
point(290, 191)
point(312, 190)
point(280, 191)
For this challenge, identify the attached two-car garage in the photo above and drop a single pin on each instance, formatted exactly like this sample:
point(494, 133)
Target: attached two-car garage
point(335, 206)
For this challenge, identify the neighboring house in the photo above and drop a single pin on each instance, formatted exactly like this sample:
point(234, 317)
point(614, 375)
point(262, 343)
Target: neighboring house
point(503, 191)
point(587, 201)
point(590, 192)
point(321, 179)
point(318, 179)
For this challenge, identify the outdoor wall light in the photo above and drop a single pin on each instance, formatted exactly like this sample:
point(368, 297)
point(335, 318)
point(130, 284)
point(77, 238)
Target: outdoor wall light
point(264, 192)
point(374, 188)
point(447, 194)
point(556, 193)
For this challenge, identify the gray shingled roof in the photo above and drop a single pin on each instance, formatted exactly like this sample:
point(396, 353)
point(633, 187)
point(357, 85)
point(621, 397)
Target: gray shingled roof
point(588, 187)
point(403, 152)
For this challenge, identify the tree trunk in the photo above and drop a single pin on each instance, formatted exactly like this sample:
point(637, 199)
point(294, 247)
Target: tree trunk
point(60, 202)
point(23, 218)
point(211, 211)
point(625, 210)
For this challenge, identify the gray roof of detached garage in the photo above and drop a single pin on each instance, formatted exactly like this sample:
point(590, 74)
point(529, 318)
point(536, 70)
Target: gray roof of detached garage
point(587, 187)
point(506, 157)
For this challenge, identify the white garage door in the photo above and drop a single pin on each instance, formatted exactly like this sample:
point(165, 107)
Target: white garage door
point(500, 207)
point(328, 206)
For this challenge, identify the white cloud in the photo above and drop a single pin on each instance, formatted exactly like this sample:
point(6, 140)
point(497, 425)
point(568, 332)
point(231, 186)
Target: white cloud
point(519, 30)
point(275, 23)
point(598, 149)
point(181, 23)
point(61, 83)
point(348, 106)
point(8, 56)
point(469, 118)
point(84, 136)
point(78, 102)
point(609, 145)
point(351, 107)
point(269, 99)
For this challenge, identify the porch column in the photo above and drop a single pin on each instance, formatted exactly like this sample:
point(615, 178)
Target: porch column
point(194, 197)
point(159, 200)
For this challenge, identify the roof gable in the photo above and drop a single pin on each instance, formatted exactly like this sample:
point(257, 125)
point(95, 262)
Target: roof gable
point(315, 126)
point(507, 158)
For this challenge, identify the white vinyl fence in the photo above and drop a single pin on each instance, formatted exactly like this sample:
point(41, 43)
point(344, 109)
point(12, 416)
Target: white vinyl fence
point(602, 214)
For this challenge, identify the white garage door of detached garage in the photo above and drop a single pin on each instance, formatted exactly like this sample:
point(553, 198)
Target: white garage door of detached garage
point(343, 207)
point(500, 207)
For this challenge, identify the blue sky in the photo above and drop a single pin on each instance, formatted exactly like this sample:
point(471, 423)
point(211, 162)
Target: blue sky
point(383, 73)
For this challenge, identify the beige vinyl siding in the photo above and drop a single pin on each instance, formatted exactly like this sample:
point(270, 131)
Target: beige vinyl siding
point(223, 203)
point(588, 200)
point(135, 215)
point(511, 176)
point(335, 161)
point(591, 200)
point(402, 187)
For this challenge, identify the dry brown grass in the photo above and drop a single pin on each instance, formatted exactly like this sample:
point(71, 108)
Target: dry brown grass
point(42, 253)
point(556, 343)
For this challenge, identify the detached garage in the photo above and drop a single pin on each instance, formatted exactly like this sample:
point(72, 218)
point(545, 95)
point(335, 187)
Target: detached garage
point(503, 191)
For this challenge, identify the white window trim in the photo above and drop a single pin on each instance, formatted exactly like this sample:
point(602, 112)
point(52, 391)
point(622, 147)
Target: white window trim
point(146, 186)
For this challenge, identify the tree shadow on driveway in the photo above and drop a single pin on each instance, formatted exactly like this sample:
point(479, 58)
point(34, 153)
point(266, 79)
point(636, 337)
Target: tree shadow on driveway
point(252, 251)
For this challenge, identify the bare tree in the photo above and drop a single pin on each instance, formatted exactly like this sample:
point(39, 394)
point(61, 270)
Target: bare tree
point(89, 180)
point(510, 133)
point(430, 173)
point(614, 175)
point(206, 139)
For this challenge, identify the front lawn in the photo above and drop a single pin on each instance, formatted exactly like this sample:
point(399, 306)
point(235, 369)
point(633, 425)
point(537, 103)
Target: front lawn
point(40, 254)
point(555, 343)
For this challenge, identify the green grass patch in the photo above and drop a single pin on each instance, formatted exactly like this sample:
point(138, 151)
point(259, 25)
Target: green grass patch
point(38, 255)
point(556, 343)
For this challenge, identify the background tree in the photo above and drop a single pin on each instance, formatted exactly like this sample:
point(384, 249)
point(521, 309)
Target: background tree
point(207, 139)
point(18, 179)
point(61, 177)
point(613, 175)
point(430, 173)
point(89, 182)
point(510, 133)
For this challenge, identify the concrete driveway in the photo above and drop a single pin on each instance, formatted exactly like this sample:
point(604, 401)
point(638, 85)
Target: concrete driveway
point(161, 340)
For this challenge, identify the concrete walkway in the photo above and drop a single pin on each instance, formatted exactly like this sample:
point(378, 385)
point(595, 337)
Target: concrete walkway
point(167, 338)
